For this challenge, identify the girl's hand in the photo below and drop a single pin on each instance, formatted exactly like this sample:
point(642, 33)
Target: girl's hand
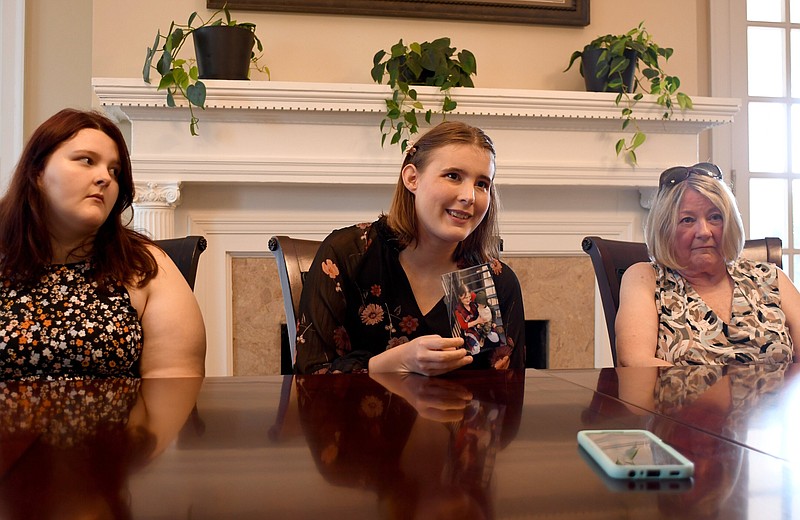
point(427, 355)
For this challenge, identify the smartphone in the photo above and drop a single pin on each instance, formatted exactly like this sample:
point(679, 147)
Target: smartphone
point(634, 454)
point(644, 485)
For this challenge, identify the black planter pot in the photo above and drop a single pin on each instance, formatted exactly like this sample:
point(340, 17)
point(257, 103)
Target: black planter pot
point(223, 52)
point(590, 64)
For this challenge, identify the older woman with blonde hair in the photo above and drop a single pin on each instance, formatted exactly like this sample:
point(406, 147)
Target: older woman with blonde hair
point(699, 301)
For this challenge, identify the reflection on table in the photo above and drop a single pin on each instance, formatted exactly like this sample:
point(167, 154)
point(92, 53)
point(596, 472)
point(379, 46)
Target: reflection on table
point(752, 405)
point(470, 445)
point(68, 447)
point(425, 446)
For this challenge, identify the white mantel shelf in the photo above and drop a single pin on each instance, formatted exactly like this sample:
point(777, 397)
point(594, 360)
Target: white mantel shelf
point(574, 106)
point(297, 132)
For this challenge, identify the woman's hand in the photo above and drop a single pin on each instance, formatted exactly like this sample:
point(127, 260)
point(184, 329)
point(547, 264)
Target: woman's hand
point(427, 355)
point(436, 399)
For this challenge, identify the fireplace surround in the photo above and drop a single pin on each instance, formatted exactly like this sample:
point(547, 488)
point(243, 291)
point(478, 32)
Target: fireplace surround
point(304, 158)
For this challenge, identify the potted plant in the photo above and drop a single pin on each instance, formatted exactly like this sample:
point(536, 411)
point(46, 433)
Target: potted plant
point(428, 63)
point(219, 36)
point(623, 63)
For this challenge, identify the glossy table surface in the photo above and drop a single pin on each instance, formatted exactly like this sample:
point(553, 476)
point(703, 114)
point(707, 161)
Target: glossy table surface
point(469, 445)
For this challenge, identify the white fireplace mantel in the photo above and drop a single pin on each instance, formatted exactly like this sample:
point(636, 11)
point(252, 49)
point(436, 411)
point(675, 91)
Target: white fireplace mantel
point(280, 149)
point(287, 132)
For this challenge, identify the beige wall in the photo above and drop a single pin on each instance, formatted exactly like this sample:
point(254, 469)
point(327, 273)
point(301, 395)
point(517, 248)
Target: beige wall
point(75, 40)
point(300, 47)
point(58, 58)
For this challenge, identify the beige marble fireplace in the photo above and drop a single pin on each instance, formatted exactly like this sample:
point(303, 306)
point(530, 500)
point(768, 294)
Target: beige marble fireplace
point(559, 290)
point(301, 159)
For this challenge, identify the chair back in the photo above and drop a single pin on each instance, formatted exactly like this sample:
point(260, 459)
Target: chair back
point(185, 252)
point(294, 257)
point(611, 258)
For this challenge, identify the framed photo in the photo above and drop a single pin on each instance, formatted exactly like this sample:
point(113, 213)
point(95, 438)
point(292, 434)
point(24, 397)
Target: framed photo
point(550, 12)
point(474, 309)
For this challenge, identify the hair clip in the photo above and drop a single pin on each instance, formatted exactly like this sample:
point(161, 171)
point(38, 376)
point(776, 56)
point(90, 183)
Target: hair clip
point(411, 149)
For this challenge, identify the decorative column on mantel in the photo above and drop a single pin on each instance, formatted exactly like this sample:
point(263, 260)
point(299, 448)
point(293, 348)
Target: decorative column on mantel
point(154, 208)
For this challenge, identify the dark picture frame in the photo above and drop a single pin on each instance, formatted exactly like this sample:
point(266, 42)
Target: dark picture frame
point(547, 12)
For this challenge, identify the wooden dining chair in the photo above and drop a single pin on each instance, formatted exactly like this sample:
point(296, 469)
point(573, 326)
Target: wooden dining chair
point(185, 252)
point(610, 259)
point(294, 257)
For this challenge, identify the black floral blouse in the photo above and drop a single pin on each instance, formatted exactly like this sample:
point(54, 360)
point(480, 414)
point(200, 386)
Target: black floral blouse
point(66, 326)
point(357, 302)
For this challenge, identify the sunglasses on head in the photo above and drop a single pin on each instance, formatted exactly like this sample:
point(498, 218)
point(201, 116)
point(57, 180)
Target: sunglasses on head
point(677, 174)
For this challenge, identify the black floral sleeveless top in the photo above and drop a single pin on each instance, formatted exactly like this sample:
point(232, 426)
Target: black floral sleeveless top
point(65, 326)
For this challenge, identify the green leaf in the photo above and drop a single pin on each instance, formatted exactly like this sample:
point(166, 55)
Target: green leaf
point(618, 65)
point(170, 99)
point(166, 81)
point(575, 56)
point(174, 40)
point(398, 49)
point(449, 105)
point(181, 78)
point(468, 62)
point(620, 146)
point(164, 64)
point(428, 115)
point(196, 94)
point(638, 139)
point(650, 73)
point(684, 101)
point(148, 60)
point(377, 71)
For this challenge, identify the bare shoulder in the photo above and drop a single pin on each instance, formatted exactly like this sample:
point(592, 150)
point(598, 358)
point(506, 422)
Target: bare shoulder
point(640, 273)
point(788, 290)
point(167, 280)
point(168, 272)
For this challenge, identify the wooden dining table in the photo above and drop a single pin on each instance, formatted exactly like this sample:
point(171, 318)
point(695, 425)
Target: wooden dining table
point(472, 444)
